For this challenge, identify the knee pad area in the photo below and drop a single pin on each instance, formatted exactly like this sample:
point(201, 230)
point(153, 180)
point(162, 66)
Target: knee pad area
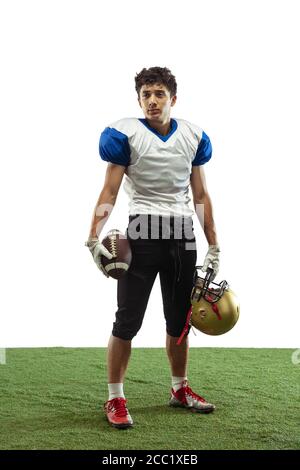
point(123, 333)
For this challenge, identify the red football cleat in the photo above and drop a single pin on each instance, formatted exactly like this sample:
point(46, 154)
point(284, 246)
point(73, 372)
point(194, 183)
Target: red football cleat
point(186, 398)
point(117, 414)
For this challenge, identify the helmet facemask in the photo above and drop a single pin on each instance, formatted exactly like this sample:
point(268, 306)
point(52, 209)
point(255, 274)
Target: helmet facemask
point(203, 287)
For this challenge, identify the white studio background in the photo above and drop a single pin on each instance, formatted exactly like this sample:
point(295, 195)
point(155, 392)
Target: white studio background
point(68, 71)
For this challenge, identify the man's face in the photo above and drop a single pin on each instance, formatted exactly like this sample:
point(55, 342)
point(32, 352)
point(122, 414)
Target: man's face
point(156, 102)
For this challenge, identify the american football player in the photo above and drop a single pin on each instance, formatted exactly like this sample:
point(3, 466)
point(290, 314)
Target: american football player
point(159, 157)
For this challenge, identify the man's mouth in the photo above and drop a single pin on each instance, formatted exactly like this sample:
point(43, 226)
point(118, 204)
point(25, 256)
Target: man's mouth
point(154, 111)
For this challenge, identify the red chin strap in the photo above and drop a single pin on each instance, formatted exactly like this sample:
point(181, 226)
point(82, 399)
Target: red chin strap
point(186, 326)
point(214, 307)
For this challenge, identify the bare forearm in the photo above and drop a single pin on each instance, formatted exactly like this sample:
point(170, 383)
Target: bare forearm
point(102, 211)
point(204, 211)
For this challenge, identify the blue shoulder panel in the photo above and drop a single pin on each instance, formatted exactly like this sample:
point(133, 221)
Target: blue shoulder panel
point(204, 151)
point(114, 147)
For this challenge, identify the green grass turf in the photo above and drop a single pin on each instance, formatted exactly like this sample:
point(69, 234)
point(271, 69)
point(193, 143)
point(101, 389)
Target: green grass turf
point(52, 398)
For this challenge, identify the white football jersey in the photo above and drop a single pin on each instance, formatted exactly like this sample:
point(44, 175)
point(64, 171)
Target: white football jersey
point(158, 168)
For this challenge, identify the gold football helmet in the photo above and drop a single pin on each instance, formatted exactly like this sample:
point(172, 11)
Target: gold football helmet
point(215, 307)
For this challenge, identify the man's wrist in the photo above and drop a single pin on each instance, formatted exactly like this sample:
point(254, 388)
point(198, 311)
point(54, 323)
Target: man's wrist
point(215, 246)
point(91, 241)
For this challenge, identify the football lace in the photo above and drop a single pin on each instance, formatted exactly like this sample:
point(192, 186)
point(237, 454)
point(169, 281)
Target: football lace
point(113, 245)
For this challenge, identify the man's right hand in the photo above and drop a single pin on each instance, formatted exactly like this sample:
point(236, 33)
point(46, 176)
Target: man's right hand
point(97, 250)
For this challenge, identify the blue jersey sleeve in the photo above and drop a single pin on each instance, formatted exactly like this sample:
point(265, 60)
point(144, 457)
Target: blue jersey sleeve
point(204, 151)
point(114, 147)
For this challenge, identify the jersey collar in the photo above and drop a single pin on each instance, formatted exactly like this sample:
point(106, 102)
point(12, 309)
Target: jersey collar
point(164, 138)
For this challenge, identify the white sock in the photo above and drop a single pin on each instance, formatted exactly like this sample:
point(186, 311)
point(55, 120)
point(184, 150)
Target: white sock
point(177, 382)
point(115, 391)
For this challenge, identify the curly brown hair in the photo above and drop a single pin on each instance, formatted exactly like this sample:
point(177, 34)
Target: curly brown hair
point(156, 75)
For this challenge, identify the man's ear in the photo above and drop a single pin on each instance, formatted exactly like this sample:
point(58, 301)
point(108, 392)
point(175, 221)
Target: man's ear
point(173, 100)
point(139, 102)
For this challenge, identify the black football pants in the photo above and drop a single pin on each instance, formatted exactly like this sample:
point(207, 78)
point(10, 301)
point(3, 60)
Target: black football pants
point(174, 260)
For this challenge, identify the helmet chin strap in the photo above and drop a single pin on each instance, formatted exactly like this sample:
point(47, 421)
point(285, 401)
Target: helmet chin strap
point(214, 306)
point(186, 326)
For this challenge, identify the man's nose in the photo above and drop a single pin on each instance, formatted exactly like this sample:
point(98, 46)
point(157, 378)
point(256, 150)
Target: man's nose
point(152, 99)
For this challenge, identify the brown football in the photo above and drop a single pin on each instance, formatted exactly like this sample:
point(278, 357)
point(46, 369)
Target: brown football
point(118, 245)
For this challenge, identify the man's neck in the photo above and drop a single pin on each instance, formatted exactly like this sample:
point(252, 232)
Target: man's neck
point(161, 128)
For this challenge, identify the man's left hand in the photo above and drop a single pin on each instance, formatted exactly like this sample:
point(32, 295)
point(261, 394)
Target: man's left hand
point(212, 258)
